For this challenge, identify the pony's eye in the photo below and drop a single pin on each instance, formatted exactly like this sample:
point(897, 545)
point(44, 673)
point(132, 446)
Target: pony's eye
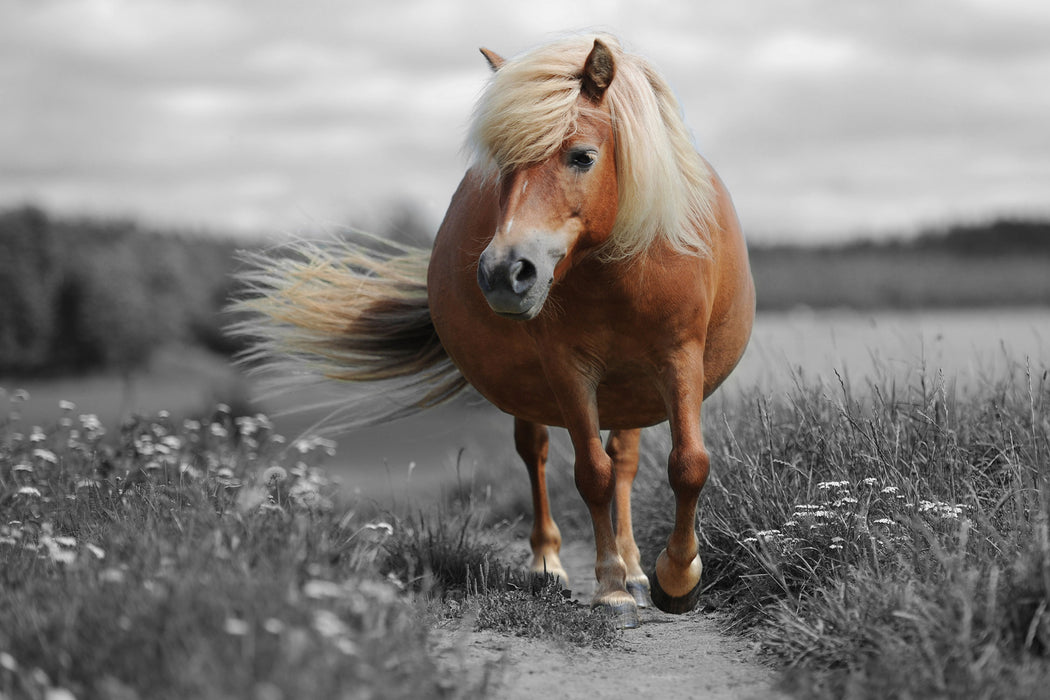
point(582, 160)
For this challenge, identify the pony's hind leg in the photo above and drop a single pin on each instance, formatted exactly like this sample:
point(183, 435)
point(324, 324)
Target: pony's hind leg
point(622, 447)
point(531, 441)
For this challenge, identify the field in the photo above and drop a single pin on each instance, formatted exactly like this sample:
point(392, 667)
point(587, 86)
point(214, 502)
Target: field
point(877, 521)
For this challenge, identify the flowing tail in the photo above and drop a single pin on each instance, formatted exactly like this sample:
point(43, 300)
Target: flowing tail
point(350, 311)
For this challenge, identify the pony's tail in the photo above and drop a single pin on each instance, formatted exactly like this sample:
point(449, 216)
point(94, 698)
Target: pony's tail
point(353, 311)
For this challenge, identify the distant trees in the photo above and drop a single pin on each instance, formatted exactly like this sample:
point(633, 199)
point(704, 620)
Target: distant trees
point(999, 264)
point(88, 294)
point(82, 295)
point(1001, 237)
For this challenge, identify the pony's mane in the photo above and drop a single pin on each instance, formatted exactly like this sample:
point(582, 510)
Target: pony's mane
point(532, 105)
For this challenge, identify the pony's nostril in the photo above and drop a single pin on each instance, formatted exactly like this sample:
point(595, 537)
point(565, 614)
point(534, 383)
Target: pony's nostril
point(483, 275)
point(522, 276)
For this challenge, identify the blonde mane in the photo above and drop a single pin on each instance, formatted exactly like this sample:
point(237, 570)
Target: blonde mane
point(531, 106)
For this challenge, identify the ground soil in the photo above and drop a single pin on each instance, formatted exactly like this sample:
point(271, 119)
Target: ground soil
point(668, 656)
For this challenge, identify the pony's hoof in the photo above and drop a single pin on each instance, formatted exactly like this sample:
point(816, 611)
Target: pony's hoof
point(640, 591)
point(676, 605)
point(624, 615)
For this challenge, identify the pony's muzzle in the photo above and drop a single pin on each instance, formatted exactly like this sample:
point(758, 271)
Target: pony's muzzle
point(511, 283)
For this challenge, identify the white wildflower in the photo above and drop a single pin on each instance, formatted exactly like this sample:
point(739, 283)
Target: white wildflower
point(870, 481)
point(328, 624)
point(381, 527)
point(275, 473)
point(346, 646)
point(111, 575)
point(62, 556)
point(67, 405)
point(235, 627)
point(319, 588)
point(91, 423)
point(825, 485)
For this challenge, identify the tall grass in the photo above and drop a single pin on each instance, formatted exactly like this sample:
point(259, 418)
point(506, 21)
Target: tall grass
point(886, 540)
point(204, 559)
point(212, 558)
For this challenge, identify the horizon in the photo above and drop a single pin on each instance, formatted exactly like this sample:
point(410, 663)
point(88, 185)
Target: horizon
point(829, 123)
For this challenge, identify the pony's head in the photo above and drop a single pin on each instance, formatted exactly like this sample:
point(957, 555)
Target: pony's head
point(587, 148)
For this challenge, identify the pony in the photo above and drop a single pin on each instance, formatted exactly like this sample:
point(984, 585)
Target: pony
point(590, 273)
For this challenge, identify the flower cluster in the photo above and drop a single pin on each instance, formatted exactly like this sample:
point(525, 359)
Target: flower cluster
point(237, 460)
point(847, 518)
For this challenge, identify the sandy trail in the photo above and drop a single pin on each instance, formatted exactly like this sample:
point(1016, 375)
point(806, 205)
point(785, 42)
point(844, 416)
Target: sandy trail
point(668, 656)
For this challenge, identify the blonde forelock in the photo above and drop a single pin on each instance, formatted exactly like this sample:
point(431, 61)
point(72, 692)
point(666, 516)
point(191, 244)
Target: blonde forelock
point(532, 105)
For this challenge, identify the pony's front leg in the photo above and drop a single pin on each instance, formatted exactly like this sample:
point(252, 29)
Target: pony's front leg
point(593, 472)
point(676, 579)
point(532, 441)
point(622, 447)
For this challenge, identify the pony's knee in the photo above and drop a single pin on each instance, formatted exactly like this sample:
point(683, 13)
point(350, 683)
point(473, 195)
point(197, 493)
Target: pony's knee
point(594, 478)
point(687, 469)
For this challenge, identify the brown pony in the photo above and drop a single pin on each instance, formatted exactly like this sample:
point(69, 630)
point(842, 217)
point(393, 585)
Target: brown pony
point(590, 273)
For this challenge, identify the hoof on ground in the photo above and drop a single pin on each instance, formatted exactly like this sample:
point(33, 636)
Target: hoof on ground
point(640, 590)
point(624, 615)
point(675, 605)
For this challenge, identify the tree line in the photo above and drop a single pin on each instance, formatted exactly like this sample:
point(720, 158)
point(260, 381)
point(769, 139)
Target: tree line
point(81, 294)
point(78, 295)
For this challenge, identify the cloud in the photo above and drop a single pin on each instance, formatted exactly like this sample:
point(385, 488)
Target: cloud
point(824, 118)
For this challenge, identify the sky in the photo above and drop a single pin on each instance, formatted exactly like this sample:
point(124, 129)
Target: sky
point(828, 120)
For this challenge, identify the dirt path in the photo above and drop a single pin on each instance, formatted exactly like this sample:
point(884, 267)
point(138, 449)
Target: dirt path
point(668, 656)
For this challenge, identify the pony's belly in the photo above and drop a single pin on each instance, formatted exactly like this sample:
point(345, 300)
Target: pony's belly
point(505, 368)
point(636, 404)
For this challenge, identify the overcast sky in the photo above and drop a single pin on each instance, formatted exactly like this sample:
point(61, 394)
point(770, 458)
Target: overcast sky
point(827, 119)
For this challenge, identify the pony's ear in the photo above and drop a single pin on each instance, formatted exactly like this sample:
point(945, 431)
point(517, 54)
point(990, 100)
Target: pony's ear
point(598, 71)
point(494, 59)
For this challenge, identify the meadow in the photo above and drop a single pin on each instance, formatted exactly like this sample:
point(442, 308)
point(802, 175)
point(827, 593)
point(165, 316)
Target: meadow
point(879, 525)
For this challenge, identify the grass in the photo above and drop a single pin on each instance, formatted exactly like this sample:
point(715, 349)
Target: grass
point(889, 538)
point(210, 558)
point(881, 541)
